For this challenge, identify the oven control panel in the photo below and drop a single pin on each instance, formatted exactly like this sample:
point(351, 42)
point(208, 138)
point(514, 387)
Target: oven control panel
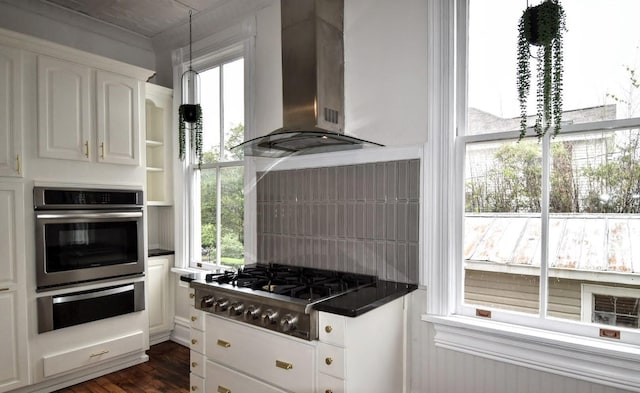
point(261, 312)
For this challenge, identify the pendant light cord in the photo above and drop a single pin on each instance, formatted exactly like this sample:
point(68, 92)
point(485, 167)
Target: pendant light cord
point(190, 53)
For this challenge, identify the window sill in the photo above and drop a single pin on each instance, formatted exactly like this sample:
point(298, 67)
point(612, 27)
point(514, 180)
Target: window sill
point(594, 360)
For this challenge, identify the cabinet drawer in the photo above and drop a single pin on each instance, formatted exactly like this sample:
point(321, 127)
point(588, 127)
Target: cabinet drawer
point(196, 363)
point(91, 354)
point(196, 384)
point(197, 341)
point(277, 359)
point(223, 380)
point(196, 317)
point(332, 329)
point(329, 384)
point(331, 360)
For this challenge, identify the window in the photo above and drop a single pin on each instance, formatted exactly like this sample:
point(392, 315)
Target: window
point(542, 218)
point(536, 223)
point(217, 197)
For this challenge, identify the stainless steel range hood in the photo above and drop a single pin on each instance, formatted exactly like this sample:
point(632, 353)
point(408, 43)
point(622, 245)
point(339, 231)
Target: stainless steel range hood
point(313, 83)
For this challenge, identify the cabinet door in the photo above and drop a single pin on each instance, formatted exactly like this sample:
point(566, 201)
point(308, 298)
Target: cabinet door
point(64, 110)
point(118, 113)
point(158, 295)
point(10, 106)
point(13, 323)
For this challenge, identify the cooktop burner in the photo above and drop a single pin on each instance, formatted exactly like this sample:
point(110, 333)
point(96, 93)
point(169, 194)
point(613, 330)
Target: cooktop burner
point(295, 282)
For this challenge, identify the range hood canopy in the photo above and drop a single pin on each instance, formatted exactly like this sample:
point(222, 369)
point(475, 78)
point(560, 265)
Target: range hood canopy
point(312, 83)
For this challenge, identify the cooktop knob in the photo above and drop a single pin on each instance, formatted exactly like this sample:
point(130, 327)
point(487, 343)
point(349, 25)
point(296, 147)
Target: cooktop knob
point(288, 323)
point(269, 317)
point(207, 301)
point(222, 304)
point(252, 312)
point(236, 308)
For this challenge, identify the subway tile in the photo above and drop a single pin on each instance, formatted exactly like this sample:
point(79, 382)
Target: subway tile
point(359, 222)
point(413, 221)
point(299, 184)
point(380, 182)
point(260, 194)
point(360, 182)
point(413, 260)
point(308, 219)
point(358, 257)
point(413, 180)
point(321, 220)
point(391, 181)
point(300, 251)
point(322, 184)
point(370, 257)
point(381, 259)
point(308, 252)
point(314, 187)
point(341, 180)
point(341, 225)
point(332, 212)
point(380, 226)
point(350, 220)
point(290, 186)
point(401, 221)
point(317, 254)
point(332, 189)
point(370, 182)
point(390, 261)
point(332, 254)
point(403, 188)
point(401, 262)
point(350, 183)
point(369, 220)
point(390, 221)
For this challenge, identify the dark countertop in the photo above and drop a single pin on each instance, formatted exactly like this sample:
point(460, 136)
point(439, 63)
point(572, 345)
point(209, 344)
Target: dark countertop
point(156, 252)
point(358, 302)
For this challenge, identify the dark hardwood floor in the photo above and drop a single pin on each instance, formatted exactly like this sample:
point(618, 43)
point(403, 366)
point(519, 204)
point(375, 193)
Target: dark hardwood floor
point(166, 371)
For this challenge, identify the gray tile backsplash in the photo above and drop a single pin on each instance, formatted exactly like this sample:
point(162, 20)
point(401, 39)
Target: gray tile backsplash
point(356, 218)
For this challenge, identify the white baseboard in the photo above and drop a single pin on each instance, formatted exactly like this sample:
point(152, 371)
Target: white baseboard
point(181, 331)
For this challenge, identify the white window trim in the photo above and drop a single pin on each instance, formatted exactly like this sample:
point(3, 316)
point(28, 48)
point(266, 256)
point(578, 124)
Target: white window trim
point(602, 361)
point(223, 46)
point(588, 290)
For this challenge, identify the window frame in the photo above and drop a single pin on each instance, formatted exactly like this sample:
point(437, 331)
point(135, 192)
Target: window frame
point(543, 344)
point(235, 42)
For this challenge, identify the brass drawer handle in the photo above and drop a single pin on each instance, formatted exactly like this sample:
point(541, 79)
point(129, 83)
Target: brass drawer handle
point(86, 149)
point(328, 361)
point(95, 355)
point(192, 295)
point(194, 364)
point(224, 344)
point(222, 389)
point(18, 165)
point(194, 341)
point(328, 329)
point(284, 365)
point(4, 289)
point(193, 319)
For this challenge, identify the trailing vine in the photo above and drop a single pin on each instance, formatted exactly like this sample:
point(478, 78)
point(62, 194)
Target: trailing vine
point(190, 114)
point(542, 26)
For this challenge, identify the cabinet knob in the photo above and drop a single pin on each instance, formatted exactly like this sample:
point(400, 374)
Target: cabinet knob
point(192, 295)
point(194, 364)
point(328, 361)
point(194, 388)
point(102, 150)
point(328, 329)
point(193, 319)
point(86, 149)
point(194, 341)
point(328, 391)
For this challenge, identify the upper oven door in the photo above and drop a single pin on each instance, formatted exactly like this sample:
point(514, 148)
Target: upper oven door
point(79, 246)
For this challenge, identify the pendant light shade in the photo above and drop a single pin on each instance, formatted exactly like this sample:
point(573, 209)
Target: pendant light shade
point(190, 94)
point(190, 112)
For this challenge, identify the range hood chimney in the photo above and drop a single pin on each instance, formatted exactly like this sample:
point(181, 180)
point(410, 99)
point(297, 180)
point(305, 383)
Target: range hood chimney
point(312, 83)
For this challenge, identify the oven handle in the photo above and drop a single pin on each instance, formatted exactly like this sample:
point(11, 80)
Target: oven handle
point(92, 295)
point(89, 215)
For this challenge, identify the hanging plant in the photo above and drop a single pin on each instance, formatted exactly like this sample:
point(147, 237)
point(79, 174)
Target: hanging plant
point(541, 26)
point(190, 114)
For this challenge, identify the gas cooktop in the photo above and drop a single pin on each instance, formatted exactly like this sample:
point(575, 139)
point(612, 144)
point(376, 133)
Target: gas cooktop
point(275, 296)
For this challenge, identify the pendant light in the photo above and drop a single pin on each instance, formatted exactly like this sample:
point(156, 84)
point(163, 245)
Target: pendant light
point(190, 112)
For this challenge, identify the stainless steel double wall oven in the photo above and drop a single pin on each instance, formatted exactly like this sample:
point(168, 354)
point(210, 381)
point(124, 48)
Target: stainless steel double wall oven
point(84, 236)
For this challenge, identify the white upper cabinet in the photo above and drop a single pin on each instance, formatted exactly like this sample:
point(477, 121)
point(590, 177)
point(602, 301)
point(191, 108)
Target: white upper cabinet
point(10, 118)
point(64, 110)
point(86, 121)
point(118, 112)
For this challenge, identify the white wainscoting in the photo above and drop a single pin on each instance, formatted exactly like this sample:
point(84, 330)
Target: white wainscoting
point(437, 370)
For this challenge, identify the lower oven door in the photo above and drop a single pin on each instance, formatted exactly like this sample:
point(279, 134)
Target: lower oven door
point(81, 246)
point(69, 309)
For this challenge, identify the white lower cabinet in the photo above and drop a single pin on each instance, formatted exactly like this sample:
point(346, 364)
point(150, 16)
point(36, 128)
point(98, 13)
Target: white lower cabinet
point(159, 297)
point(278, 360)
point(88, 355)
point(352, 355)
point(221, 379)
